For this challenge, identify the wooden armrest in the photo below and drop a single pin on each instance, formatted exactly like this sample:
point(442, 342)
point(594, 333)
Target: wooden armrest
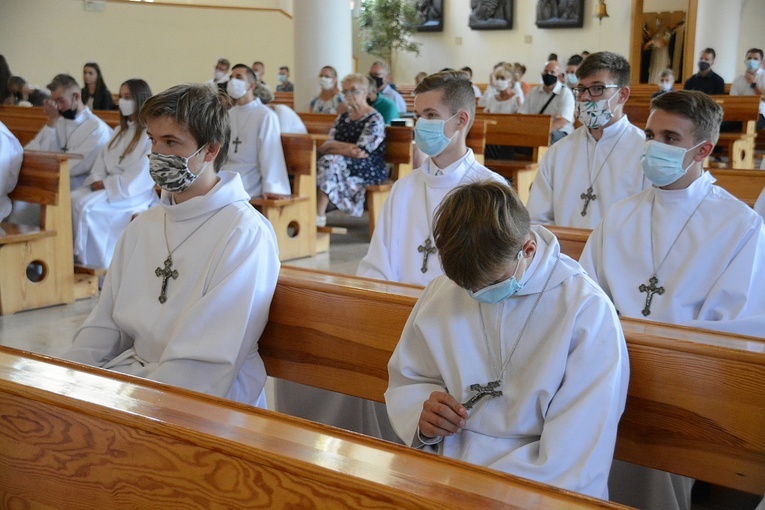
point(14, 233)
point(91, 270)
point(277, 202)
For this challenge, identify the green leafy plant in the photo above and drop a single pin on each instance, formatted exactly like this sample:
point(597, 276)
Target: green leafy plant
point(386, 27)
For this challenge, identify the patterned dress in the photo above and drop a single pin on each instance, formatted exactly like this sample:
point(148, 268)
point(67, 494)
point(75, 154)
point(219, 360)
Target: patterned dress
point(318, 105)
point(345, 179)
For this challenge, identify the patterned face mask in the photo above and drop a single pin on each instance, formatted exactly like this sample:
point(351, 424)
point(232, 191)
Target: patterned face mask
point(171, 173)
point(595, 114)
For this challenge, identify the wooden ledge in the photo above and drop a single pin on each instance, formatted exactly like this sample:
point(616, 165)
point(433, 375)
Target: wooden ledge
point(15, 233)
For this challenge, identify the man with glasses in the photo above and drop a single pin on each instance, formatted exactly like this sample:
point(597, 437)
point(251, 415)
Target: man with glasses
point(71, 128)
point(599, 163)
point(552, 98)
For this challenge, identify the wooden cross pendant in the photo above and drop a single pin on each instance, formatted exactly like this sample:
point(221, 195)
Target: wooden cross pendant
point(587, 197)
point(483, 391)
point(236, 144)
point(426, 249)
point(650, 290)
point(167, 272)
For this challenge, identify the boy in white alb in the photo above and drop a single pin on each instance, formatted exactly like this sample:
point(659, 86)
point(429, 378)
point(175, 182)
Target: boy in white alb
point(188, 291)
point(255, 150)
point(482, 372)
point(11, 156)
point(695, 256)
point(599, 163)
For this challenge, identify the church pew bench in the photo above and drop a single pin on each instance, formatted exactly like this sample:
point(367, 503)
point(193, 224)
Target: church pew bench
point(25, 122)
point(294, 217)
point(642, 91)
point(285, 98)
point(86, 438)
point(695, 405)
point(571, 240)
point(43, 180)
point(528, 131)
point(739, 146)
point(744, 184)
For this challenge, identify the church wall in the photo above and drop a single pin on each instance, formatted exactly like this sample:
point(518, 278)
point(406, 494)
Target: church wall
point(751, 33)
point(164, 45)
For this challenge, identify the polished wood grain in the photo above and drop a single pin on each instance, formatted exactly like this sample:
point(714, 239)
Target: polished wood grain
point(571, 240)
point(77, 437)
point(744, 184)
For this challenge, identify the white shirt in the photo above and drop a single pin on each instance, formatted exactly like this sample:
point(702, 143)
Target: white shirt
point(494, 105)
point(255, 150)
point(85, 135)
point(11, 157)
point(406, 221)
point(568, 168)
point(205, 336)
point(740, 87)
point(289, 120)
point(562, 105)
point(563, 390)
point(392, 94)
point(714, 268)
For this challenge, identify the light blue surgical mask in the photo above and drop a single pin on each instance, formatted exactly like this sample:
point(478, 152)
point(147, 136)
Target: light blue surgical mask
point(499, 291)
point(429, 135)
point(752, 65)
point(571, 79)
point(662, 163)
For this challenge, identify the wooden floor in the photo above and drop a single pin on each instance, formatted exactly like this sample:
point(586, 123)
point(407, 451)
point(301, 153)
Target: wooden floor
point(50, 331)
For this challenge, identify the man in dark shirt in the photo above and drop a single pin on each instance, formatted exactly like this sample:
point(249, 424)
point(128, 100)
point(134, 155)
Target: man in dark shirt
point(706, 80)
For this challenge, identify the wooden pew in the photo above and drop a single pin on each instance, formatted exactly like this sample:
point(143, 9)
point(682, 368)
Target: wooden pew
point(571, 240)
point(746, 185)
point(644, 91)
point(286, 98)
point(25, 122)
point(79, 437)
point(695, 405)
point(294, 217)
point(43, 180)
point(530, 131)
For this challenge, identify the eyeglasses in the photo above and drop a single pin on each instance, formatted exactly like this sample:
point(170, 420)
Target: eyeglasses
point(595, 90)
point(352, 92)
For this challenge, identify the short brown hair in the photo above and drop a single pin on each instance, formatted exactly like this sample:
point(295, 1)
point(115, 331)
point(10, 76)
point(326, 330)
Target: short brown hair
point(695, 106)
point(63, 80)
point(196, 108)
point(479, 228)
point(456, 89)
point(606, 61)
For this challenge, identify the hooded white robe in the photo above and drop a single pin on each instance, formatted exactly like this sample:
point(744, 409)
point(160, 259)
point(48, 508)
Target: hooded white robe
point(11, 157)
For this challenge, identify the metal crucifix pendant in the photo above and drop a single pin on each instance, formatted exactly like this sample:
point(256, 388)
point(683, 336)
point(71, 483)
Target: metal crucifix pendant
point(167, 272)
point(426, 249)
point(587, 197)
point(483, 391)
point(650, 290)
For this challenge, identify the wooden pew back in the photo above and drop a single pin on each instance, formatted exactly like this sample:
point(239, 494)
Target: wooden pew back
point(25, 122)
point(518, 130)
point(696, 400)
point(746, 185)
point(79, 437)
point(285, 98)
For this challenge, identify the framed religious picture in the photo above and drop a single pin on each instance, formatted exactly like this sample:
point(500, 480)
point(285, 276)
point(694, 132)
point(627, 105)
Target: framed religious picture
point(491, 14)
point(560, 13)
point(430, 15)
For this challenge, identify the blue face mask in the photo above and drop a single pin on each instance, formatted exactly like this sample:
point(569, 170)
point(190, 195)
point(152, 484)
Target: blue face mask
point(662, 163)
point(429, 135)
point(499, 291)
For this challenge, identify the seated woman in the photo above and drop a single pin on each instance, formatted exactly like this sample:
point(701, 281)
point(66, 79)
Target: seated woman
point(95, 94)
point(354, 155)
point(506, 99)
point(21, 94)
point(329, 99)
point(118, 186)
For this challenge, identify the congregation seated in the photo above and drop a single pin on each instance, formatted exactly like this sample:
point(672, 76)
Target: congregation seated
point(11, 156)
point(255, 150)
point(119, 185)
point(20, 93)
point(289, 120)
point(329, 99)
point(219, 81)
point(506, 99)
point(194, 320)
point(354, 155)
point(95, 93)
point(597, 165)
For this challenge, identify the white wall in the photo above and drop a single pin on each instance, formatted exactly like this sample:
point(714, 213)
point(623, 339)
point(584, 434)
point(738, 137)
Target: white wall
point(751, 34)
point(165, 45)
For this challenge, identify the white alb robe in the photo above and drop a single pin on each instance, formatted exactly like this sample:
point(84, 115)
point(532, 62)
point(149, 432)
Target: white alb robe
point(759, 205)
point(205, 336)
point(259, 157)
point(712, 279)
point(11, 157)
point(86, 135)
point(563, 391)
point(566, 172)
point(407, 218)
point(99, 217)
point(289, 120)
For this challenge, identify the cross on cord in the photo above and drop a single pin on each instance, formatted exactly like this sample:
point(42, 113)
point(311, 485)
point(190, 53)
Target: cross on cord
point(167, 272)
point(483, 391)
point(650, 290)
point(236, 144)
point(426, 249)
point(587, 197)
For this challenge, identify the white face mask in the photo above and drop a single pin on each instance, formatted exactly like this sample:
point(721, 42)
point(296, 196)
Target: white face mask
point(326, 83)
point(219, 75)
point(666, 86)
point(127, 107)
point(236, 88)
point(501, 84)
